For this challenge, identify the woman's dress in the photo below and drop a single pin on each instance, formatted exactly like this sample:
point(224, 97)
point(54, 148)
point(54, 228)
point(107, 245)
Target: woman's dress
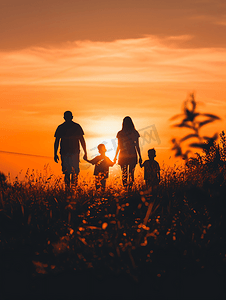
point(127, 141)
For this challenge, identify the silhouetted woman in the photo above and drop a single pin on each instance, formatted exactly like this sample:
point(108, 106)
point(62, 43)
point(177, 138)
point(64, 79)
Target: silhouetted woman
point(128, 147)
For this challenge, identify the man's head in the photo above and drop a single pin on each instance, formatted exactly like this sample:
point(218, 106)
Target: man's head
point(101, 148)
point(68, 116)
point(151, 153)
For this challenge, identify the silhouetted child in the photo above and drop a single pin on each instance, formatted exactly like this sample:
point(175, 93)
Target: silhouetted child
point(102, 164)
point(151, 170)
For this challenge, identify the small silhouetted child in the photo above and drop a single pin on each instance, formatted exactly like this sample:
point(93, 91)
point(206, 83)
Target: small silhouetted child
point(102, 164)
point(151, 170)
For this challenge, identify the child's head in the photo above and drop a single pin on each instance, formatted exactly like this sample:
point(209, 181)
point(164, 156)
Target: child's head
point(101, 148)
point(151, 153)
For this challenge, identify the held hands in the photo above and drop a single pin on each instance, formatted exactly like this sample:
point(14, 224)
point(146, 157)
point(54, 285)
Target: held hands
point(85, 156)
point(56, 158)
point(115, 159)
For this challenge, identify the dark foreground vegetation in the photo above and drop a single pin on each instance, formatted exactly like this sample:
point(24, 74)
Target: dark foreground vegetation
point(81, 244)
point(58, 244)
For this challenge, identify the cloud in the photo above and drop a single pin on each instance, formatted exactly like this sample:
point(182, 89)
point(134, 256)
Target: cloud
point(141, 60)
point(216, 20)
point(185, 37)
point(221, 21)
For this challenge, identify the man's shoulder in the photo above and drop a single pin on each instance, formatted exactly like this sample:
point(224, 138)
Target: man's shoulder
point(75, 124)
point(69, 129)
point(69, 124)
point(61, 125)
point(59, 129)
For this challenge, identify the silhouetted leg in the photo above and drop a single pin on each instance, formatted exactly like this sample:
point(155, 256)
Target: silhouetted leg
point(124, 174)
point(67, 179)
point(155, 190)
point(74, 179)
point(97, 182)
point(148, 184)
point(103, 184)
point(131, 175)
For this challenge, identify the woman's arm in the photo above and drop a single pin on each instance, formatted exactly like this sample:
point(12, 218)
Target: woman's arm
point(138, 150)
point(116, 154)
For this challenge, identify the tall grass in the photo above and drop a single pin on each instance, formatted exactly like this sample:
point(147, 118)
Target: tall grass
point(179, 231)
point(118, 231)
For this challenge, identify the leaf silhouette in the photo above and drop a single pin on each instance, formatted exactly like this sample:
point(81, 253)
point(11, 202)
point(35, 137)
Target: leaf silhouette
point(178, 154)
point(193, 102)
point(185, 155)
point(211, 116)
point(198, 145)
point(205, 122)
point(183, 125)
point(188, 137)
point(214, 137)
point(176, 116)
point(178, 150)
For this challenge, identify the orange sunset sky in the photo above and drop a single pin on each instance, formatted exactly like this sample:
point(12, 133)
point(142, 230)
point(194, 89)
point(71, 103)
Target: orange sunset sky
point(104, 60)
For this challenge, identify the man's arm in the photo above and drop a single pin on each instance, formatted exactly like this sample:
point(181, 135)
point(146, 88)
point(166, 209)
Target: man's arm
point(56, 146)
point(83, 143)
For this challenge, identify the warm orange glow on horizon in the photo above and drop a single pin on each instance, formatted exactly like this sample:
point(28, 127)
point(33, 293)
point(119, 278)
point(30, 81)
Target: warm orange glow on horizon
point(102, 82)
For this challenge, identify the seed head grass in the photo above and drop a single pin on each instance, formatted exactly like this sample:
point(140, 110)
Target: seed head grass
point(134, 232)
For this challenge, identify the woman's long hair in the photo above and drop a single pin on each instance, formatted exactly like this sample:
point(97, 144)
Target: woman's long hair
point(127, 124)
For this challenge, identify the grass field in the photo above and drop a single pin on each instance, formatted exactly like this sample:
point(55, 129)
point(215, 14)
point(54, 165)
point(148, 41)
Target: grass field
point(63, 244)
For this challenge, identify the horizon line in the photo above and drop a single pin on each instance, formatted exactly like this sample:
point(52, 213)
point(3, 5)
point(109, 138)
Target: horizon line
point(25, 154)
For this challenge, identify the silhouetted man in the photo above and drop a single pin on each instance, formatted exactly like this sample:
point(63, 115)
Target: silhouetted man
point(69, 135)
